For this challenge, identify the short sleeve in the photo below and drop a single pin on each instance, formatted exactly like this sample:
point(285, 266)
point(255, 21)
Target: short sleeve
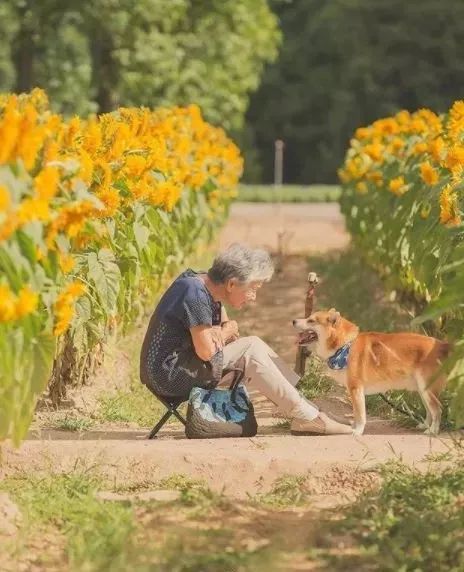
point(196, 310)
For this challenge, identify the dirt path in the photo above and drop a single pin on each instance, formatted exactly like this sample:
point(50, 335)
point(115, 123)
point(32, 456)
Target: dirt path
point(304, 228)
point(240, 466)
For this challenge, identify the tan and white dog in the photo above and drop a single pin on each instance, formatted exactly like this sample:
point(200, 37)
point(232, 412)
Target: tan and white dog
point(372, 362)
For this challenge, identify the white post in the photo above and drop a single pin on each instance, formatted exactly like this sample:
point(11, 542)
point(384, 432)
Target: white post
point(278, 162)
point(278, 180)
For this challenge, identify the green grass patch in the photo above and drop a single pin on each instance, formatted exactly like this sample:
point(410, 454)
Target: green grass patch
point(84, 533)
point(213, 551)
point(136, 404)
point(74, 423)
point(413, 523)
point(193, 492)
point(315, 382)
point(98, 534)
point(287, 491)
point(288, 193)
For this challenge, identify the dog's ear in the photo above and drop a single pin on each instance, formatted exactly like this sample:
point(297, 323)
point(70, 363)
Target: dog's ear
point(334, 316)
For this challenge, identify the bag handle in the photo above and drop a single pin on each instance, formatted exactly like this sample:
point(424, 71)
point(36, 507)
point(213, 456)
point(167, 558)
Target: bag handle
point(239, 374)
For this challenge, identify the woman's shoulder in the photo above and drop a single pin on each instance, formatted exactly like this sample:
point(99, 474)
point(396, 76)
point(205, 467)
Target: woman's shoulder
point(192, 285)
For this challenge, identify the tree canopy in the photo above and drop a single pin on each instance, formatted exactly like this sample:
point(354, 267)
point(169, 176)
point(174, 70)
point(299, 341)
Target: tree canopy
point(94, 55)
point(344, 63)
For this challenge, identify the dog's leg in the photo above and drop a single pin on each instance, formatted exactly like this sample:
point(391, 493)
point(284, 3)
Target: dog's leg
point(431, 403)
point(433, 406)
point(428, 418)
point(359, 409)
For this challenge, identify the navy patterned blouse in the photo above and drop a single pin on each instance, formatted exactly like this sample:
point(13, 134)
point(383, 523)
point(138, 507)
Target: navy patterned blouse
point(169, 364)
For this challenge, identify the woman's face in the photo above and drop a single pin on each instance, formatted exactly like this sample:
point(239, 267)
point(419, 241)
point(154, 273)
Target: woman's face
point(239, 294)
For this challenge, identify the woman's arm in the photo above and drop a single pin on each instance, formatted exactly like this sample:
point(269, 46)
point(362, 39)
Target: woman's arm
point(207, 340)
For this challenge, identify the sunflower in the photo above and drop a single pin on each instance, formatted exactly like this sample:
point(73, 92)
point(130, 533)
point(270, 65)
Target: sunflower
point(27, 302)
point(428, 173)
point(5, 198)
point(398, 186)
point(449, 209)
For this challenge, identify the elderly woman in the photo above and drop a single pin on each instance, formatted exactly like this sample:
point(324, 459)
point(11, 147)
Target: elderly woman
point(190, 340)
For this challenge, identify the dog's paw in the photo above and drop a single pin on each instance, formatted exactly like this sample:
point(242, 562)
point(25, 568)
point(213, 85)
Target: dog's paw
point(432, 431)
point(357, 430)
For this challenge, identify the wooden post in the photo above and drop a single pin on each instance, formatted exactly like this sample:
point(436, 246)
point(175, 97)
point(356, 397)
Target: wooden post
point(302, 352)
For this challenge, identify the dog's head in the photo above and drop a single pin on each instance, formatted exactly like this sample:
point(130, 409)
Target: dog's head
point(325, 331)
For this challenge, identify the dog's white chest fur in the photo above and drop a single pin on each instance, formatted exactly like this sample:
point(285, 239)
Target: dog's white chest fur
point(340, 376)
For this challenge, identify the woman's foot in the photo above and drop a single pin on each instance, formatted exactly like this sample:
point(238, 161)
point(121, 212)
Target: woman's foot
point(321, 425)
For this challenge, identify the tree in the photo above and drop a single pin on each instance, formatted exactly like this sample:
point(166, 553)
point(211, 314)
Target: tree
point(345, 63)
point(95, 55)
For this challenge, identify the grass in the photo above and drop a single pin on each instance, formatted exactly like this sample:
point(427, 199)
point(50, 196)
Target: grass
point(98, 535)
point(66, 527)
point(72, 422)
point(413, 523)
point(212, 551)
point(315, 383)
point(287, 491)
point(288, 193)
point(136, 404)
point(194, 492)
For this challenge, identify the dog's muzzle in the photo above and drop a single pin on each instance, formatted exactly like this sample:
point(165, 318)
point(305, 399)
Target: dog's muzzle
point(307, 337)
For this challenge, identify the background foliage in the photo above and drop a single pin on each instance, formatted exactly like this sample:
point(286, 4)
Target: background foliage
point(342, 64)
point(96, 55)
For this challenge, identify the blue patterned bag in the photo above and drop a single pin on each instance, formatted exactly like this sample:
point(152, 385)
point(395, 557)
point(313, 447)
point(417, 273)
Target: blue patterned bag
point(214, 413)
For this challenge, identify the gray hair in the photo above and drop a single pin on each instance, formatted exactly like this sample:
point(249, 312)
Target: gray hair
point(242, 263)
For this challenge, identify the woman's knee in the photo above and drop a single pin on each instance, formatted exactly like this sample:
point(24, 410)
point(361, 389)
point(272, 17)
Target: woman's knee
point(257, 345)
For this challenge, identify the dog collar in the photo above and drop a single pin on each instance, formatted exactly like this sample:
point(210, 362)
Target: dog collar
point(339, 360)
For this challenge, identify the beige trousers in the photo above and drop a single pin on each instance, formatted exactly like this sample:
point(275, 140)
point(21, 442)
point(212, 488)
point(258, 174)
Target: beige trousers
point(266, 372)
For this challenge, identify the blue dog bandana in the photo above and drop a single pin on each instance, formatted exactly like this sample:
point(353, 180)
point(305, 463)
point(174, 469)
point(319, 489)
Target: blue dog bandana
point(340, 358)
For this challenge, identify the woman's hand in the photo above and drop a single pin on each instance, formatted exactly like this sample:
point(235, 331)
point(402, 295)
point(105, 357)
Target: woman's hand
point(229, 331)
point(216, 338)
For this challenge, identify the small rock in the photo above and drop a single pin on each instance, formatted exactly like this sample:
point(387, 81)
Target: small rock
point(10, 515)
point(370, 467)
point(252, 545)
point(160, 495)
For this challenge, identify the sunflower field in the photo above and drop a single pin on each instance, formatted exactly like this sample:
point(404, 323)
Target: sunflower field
point(403, 198)
point(93, 212)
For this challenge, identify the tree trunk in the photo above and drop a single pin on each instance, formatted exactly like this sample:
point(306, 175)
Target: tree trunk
point(24, 49)
point(104, 71)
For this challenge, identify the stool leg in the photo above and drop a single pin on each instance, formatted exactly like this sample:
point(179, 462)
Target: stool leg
point(160, 423)
point(179, 416)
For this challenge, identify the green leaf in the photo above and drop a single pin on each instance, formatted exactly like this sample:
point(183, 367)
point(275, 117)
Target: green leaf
point(43, 352)
point(106, 276)
point(142, 234)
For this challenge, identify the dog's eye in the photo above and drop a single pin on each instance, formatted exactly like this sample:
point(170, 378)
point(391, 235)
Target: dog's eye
point(310, 321)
